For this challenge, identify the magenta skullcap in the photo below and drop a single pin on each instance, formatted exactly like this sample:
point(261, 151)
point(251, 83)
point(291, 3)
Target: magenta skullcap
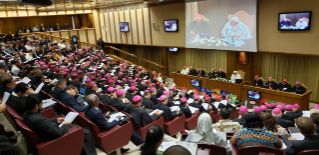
point(183, 99)
point(120, 73)
point(316, 106)
point(70, 56)
point(80, 72)
point(184, 90)
point(88, 80)
point(73, 70)
point(86, 73)
point(174, 88)
point(42, 63)
point(184, 67)
point(119, 81)
point(103, 79)
point(44, 66)
point(268, 105)
point(129, 77)
point(297, 82)
point(110, 89)
point(263, 107)
point(196, 97)
point(92, 77)
point(112, 78)
point(74, 56)
point(110, 81)
point(133, 88)
point(153, 88)
point(150, 85)
point(120, 92)
point(195, 93)
point(64, 73)
point(57, 70)
point(135, 79)
point(137, 98)
point(281, 107)
point(67, 70)
point(273, 105)
point(91, 84)
point(75, 74)
point(124, 79)
point(165, 92)
point(276, 111)
point(162, 98)
point(243, 109)
point(132, 84)
point(36, 63)
point(288, 107)
point(206, 98)
point(145, 91)
point(65, 58)
point(296, 106)
point(257, 110)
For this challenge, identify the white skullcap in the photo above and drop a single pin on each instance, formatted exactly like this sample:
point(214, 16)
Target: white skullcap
point(235, 19)
point(235, 71)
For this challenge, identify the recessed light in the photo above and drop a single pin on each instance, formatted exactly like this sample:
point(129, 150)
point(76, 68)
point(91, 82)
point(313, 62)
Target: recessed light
point(68, 5)
point(21, 5)
point(91, 1)
point(56, 3)
point(98, 3)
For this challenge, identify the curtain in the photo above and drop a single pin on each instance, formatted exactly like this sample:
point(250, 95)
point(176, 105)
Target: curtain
point(199, 58)
point(293, 68)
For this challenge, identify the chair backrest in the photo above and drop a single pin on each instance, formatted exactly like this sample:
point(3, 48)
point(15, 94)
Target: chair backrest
point(242, 74)
point(14, 113)
point(262, 79)
point(32, 138)
point(87, 124)
point(259, 149)
point(214, 149)
point(308, 152)
point(245, 18)
point(303, 85)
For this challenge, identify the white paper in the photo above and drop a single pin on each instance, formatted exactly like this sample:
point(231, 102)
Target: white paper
point(216, 104)
point(126, 88)
point(224, 102)
point(192, 109)
point(189, 92)
point(175, 107)
point(113, 116)
point(166, 145)
point(99, 90)
point(25, 80)
point(69, 118)
point(5, 98)
point(201, 97)
point(48, 103)
point(205, 105)
point(284, 146)
point(55, 80)
point(306, 113)
point(222, 135)
point(39, 88)
point(190, 100)
point(16, 77)
point(177, 102)
point(142, 93)
point(160, 111)
point(191, 147)
point(299, 136)
point(84, 78)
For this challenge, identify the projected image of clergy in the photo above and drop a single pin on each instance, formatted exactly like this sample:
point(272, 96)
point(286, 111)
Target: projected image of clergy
point(235, 32)
point(198, 26)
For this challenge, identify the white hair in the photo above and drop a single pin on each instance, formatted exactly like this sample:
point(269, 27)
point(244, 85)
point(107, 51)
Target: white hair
point(314, 110)
point(276, 116)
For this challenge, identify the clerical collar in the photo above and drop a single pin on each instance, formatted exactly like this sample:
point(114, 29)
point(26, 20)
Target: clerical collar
point(14, 94)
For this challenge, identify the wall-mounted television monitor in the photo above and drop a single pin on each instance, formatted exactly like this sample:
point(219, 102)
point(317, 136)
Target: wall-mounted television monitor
point(195, 83)
point(255, 95)
point(172, 49)
point(294, 21)
point(124, 27)
point(171, 25)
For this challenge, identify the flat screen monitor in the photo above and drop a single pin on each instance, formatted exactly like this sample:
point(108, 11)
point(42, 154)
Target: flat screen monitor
point(124, 27)
point(172, 49)
point(195, 83)
point(255, 95)
point(82, 91)
point(171, 25)
point(294, 21)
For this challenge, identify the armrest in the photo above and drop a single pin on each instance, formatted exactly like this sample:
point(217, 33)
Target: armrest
point(48, 113)
point(118, 130)
point(234, 149)
point(70, 143)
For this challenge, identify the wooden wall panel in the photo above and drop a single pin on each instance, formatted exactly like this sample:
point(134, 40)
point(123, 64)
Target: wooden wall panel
point(147, 26)
point(12, 13)
point(112, 26)
point(91, 36)
point(122, 19)
point(107, 25)
point(65, 35)
point(103, 32)
point(128, 19)
point(140, 24)
point(134, 25)
point(116, 24)
point(97, 24)
point(83, 37)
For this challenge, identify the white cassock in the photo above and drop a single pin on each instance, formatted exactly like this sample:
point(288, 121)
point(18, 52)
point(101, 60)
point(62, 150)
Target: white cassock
point(240, 30)
point(301, 25)
point(234, 77)
point(185, 71)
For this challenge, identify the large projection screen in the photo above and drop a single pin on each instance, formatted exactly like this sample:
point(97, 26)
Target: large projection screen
point(221, 24)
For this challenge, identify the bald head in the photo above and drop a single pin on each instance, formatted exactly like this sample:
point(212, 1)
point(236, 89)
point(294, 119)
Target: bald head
point(176, 150)
point(92, 100)
point(306, 126)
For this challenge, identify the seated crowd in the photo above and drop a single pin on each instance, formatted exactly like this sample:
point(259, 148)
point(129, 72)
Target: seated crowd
point(298, 88)
point(83, 79)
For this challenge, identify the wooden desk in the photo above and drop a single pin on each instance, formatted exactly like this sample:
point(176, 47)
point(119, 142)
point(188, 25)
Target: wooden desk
point(241, 90)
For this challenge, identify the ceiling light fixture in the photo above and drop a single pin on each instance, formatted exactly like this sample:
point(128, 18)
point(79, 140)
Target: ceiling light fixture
point(91, 1)
point(56, 3)
point(68, 5)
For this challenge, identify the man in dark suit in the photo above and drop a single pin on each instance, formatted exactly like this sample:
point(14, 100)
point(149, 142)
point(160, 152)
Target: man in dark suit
point(271, 84)
point(298, 89)
point(311, 140)
point(59, 89)
point(192, 71)
point(131, 93)
point(280, 121)
point(168, 114)
point(68, 98)
point(117, 102)
point(17, 98)
point(258, 82)
point(47, 129)
point(142, 86)
point(284, 86)
point(154, 98)
point(96, 116)
point(201, 72)
point(147, 103)
point(242, 111)
point(75, 81)
point(220, 73)
point(103, 98)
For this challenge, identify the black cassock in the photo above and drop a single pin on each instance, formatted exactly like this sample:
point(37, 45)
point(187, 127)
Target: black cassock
point(117, 104)
point(17, 103)
point(168, 114)
point(154, 99)
point(220, 74)
point(140, 116)
point(301, 89)
point(148, 104)
point(259, 82)
point(272, 84)
point(185, 110)
point(192, 72)
point(129, 97)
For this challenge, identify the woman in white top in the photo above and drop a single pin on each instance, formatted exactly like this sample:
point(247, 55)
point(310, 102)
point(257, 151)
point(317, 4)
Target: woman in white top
point(29, 56)
point(204, 133)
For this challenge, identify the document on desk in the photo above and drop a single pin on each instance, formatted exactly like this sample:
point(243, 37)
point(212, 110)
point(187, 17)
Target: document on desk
point(39, 88)
point(205, 105)
point(166, 145)
point(25, 80)
point(5, 98)
point(153, 112)
point(191, 147)
point(190, 100)
point(175, 107)
point(299, 136)
point(48, 103)
point(113, 116)
point(216, 104)
point(69, 117)
point(306, 114)
point(192, 109)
